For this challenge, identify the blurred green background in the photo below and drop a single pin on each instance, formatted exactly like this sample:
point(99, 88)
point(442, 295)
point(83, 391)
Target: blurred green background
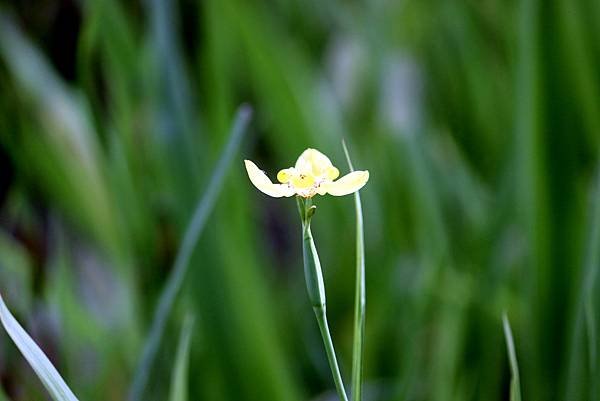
point(478, 120)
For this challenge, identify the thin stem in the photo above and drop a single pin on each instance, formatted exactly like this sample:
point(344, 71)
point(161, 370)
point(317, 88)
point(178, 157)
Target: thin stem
point(321, 315)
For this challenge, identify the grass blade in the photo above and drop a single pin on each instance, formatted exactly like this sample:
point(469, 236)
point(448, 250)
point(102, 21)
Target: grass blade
point(179, 379)
point(42, 367)
point(515, 383)
point(195, 228)
point(360, 296)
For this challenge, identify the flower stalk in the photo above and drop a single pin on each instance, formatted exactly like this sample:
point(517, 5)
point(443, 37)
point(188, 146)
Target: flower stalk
point(316, 289)
point(314, 174)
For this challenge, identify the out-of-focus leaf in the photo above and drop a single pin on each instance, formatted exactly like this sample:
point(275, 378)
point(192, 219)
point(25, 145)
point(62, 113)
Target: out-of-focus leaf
point(581, 369)
point(3, 396)
point(179, 377)
point(15, 273)
point(60, 150)
point(181, 264)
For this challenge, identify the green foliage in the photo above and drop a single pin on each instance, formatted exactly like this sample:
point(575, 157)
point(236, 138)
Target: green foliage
point(181, 264)
point(478, 121)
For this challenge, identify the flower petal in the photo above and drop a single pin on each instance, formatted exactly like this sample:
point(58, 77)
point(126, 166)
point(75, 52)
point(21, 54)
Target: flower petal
point(262, 182)
point(347, 184)
point(313, 161)
point(284, 176)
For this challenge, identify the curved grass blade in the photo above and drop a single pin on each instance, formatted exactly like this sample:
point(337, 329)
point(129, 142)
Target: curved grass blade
point(515, 382)
point(179, 379)
point(195, 228)
point(42, 367)
point(360, 296)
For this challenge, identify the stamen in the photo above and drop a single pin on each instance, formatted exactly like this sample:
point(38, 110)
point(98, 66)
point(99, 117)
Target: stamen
point(302, 181)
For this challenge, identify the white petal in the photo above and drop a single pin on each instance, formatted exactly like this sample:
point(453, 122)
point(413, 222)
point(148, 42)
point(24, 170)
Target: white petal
point(347, 184)
point(313, 161)
point(262, 182)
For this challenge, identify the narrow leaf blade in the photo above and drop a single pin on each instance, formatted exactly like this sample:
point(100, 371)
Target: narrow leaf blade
point(179, 378)
point(359, 296)
point(515, 382)
point(42, 367)
point(192, 234)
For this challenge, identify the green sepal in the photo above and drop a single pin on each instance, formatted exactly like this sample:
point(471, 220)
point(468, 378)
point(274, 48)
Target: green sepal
point(312, 265)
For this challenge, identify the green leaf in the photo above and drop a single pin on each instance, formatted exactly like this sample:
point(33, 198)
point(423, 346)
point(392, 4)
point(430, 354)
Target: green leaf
point(192, 234)
point(360, 296)
point(179, 378)
point(44, 369)
point(582, 363)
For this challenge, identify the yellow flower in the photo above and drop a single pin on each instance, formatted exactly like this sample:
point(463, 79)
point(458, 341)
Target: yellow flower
point(313, 174)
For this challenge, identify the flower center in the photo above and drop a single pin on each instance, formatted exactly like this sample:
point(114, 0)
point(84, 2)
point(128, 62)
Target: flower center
point(302, 181)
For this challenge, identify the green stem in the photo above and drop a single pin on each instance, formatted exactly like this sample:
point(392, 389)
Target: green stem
point(316, 290)
point(321, 315)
